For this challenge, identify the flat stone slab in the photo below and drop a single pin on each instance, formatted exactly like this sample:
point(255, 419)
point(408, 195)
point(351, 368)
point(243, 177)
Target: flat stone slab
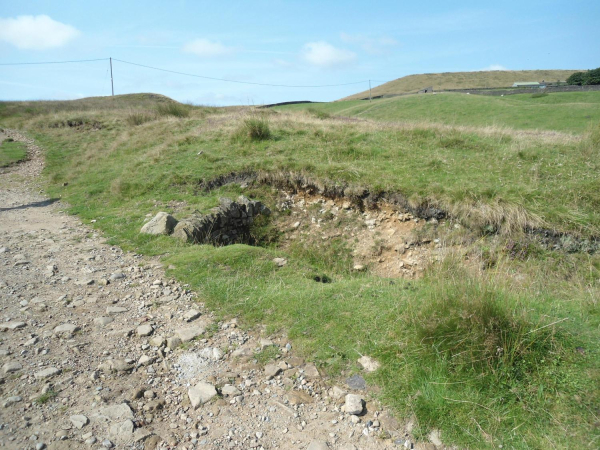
point(356, 382)
point(123, 430)
point(187, 334)
point(115, 310)
point(46, 373)
point(116, 412)
point(79, 421)
point(201, 393)
point(103, 321)
point(12, 325)
point(144, 330)
point(66, 328)
point(11, 366)
point(190, 315)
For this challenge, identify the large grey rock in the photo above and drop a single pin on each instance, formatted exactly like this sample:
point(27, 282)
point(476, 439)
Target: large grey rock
point(271, 370)
point(12, 400)
point(66, 328)
point(187, 334)
point(356, 382)
point(201, 393)
point(229, 390)
point(116, 412)
point(103, 321)
point(115, 310)
point(162, 223)
point(311, 371)
point(11, 366)
point(354, 404)
point(115, 365)
point(79, 421)
point(13, 325)
point(122, 431)
point(46, 373)
point(144, 330)
point(318, 445)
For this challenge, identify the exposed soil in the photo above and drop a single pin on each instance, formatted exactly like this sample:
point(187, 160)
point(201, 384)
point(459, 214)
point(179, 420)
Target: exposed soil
point(384, 241)
point(99, 348)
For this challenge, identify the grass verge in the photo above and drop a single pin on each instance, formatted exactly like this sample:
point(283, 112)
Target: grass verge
point(12, 152)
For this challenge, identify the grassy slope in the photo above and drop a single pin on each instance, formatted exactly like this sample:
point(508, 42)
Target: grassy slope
point(463, 80)
point(11, 153)
point(567, 112)
point(537, 385)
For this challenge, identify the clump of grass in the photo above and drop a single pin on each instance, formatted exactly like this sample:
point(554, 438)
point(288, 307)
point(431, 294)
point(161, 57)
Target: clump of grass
point(318, 113)
point(46, 397)
point(539, 95)
point(136, 118)
point(173, 109)
point(257, 129)
point(266, 355)
point(477, 334)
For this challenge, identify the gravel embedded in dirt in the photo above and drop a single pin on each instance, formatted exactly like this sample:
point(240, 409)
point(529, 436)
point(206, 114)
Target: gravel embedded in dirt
point(99, 349)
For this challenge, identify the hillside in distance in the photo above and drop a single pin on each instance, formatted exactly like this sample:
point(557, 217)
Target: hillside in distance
point(462, 80)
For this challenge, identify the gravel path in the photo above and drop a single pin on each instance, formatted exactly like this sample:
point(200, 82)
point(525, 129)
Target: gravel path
point(98, 349)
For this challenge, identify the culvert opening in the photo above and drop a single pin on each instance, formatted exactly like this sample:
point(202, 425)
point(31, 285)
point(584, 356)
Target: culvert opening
point(229, 223)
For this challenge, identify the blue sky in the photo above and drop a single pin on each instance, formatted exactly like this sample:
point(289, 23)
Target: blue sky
point(280, 42)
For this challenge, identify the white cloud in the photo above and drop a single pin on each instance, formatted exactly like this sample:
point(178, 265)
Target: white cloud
point(322, 54)
point(205, 48)
point(493, 67)
point(36, 32)
point(374, 46)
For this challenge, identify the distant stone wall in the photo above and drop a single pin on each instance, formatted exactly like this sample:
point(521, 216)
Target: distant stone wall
point(532, 90)
point(499, 91)
point(226, 224)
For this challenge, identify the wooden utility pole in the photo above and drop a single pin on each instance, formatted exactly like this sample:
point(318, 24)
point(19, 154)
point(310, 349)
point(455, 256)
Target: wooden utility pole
point(369, 90)
point(111, 78)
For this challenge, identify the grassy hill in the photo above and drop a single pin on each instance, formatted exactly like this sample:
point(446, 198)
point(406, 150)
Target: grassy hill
point(572, 112)
point(493, 345)
point(462, 80)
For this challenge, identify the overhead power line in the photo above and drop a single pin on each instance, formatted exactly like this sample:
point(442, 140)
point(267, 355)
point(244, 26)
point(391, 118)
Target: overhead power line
point(236, 81)
point(53, 62)
point(189, 74)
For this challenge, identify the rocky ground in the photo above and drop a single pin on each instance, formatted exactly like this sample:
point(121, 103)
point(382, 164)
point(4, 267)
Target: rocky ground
point(99, 349)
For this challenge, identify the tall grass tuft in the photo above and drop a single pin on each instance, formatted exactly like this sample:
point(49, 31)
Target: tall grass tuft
point(257, 129)
point(173, 109)
point(136, 118)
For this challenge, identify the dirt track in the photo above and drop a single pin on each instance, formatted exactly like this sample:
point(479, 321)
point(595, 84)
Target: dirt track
point(92, 354)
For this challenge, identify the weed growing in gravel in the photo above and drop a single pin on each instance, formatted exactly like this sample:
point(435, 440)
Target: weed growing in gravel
point(267, 355)
point(46, 397)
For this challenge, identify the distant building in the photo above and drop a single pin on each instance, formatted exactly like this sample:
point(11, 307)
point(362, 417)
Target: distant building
point(526, 84)
point(426, 90)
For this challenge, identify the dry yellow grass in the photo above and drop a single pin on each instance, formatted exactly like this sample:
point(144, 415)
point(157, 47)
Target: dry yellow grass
point(463, 80)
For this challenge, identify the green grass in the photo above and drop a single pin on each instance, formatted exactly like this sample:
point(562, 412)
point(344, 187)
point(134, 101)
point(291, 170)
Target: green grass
point(46, 397)
point(490, 357)
point(11, 152)
point(463, 80)
point(570, 112)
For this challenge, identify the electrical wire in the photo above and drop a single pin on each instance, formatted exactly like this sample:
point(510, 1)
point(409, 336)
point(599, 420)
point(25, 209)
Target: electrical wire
point(235, 81)
point(53, 62)
point(190, 74)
